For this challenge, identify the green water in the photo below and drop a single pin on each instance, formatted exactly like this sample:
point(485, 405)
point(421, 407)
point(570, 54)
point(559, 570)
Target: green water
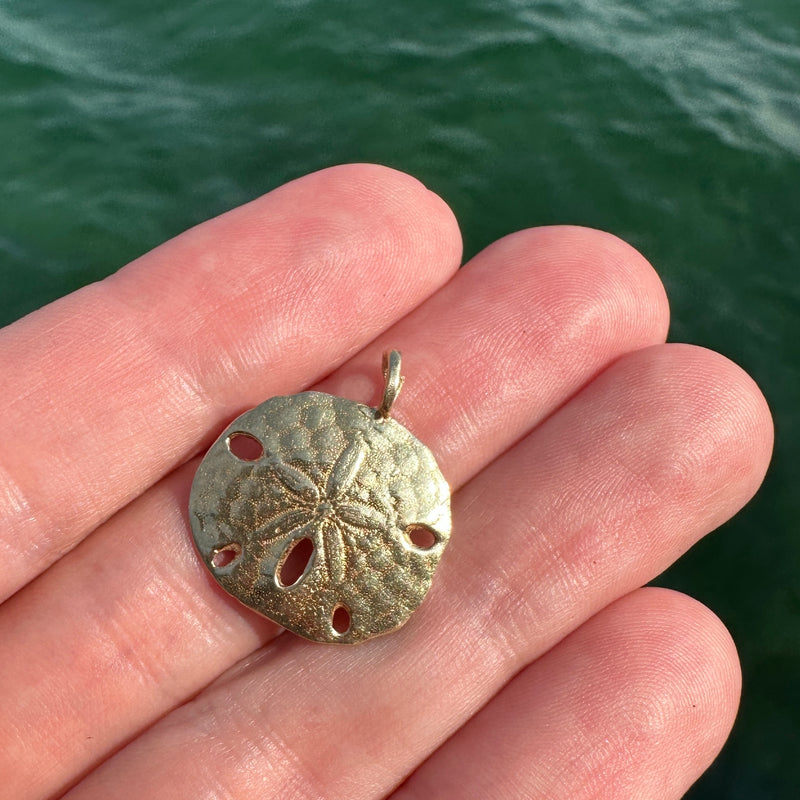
point(675, 124)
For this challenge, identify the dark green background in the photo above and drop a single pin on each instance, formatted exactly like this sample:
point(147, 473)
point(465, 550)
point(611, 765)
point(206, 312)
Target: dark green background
point(674, 124)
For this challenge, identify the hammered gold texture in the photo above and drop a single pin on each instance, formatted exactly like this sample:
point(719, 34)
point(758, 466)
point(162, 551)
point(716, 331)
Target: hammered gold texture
point(350, 480)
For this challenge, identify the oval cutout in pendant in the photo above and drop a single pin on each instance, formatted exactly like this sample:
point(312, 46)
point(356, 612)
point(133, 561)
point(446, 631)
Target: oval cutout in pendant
point(245, 446)
point(340, 619)
point(295, 564)
point(421, 536)
point(225, 556)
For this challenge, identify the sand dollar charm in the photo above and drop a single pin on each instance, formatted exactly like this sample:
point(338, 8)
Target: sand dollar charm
point(323, 514)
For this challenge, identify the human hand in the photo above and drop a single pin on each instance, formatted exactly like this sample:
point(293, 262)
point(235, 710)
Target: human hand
point(584, 455)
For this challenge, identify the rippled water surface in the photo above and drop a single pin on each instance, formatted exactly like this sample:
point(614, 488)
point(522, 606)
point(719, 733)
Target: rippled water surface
point(674, 124)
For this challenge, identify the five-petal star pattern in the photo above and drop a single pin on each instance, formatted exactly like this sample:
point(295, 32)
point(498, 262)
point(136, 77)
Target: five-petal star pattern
point(323, 513)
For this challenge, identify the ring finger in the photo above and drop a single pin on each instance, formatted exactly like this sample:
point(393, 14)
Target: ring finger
point(635, 703)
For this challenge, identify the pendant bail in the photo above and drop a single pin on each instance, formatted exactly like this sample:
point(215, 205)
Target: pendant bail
point(393, 381)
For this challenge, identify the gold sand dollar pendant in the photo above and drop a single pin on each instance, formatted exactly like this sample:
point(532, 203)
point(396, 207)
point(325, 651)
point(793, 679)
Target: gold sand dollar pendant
point(323, 514)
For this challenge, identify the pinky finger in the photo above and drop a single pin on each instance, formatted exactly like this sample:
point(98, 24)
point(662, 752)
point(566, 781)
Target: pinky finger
point(634, 704)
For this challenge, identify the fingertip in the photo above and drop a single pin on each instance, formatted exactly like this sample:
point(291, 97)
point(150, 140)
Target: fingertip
point(618, 291)
point(622, 268)
point(684, 667)
point(723, 421)
point(367, 218)
point(416, 214)
point(703, 430)
point(685, 633)
point(732, 395)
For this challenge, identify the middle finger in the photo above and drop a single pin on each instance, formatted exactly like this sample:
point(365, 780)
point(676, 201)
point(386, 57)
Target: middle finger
point(129, 624)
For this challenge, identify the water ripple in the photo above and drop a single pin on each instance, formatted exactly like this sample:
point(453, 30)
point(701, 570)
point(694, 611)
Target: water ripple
point(733, 79)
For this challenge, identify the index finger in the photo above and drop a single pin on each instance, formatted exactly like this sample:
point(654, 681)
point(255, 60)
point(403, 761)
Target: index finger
point(110, 388)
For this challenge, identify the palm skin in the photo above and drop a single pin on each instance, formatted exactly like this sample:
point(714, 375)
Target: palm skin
point(585, 456)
